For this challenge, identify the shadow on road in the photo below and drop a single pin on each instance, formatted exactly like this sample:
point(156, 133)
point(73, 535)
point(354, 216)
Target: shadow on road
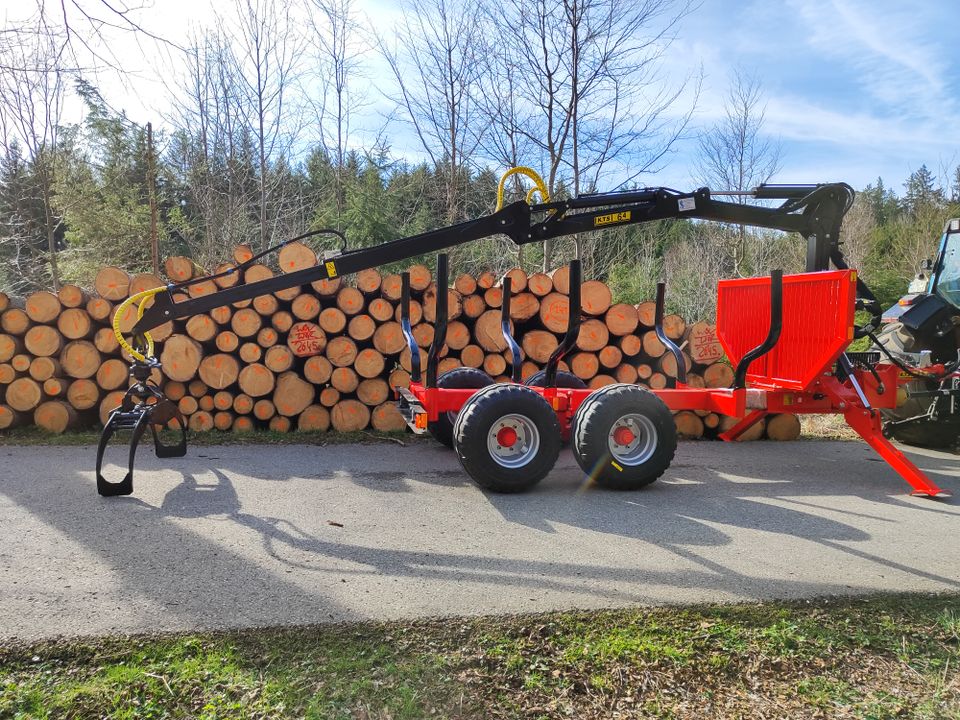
point(166, 556)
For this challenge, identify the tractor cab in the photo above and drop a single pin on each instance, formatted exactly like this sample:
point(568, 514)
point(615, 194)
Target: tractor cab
point(945, 278)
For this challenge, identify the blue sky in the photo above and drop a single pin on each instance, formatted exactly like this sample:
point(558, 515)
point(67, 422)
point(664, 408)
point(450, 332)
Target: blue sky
point(854, 89)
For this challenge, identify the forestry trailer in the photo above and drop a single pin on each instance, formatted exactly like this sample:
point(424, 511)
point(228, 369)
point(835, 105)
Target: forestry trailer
point(785, 335)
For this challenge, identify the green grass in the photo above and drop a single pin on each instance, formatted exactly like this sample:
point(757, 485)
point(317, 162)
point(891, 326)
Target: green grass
point(880, 657)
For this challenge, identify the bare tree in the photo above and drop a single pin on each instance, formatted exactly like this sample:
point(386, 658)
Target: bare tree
point(267, 50)
point(339, 47)
point(856, 234)
point(694, 266)
point(595, 98)
point(208, 151)
point(498, 131)
point(914, 237)
point(735, 154)
point(31, 105)
point(435, 62)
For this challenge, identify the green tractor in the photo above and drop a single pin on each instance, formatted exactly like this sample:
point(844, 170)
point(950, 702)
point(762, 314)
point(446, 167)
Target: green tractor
point(921, 334)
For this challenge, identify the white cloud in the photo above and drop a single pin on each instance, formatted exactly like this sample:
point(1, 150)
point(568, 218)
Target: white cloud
point(892, 49)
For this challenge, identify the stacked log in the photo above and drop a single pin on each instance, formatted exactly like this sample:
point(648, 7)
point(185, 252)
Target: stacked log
point(331, 354)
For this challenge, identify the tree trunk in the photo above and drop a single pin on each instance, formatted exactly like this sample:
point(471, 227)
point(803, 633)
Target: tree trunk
point(314, 418)
point(55, 416)
point(181, 357)
point(42, 307)
point(292, 394)
point(784, 426)
point(80, 359)
point(256, 380)
point(349, 416)
point(219, 371)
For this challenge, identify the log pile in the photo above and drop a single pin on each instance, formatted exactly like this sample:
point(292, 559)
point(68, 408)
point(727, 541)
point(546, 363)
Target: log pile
point(329, 355)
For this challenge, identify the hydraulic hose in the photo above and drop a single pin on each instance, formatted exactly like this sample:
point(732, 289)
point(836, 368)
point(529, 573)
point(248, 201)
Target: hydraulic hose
point(541, 186)
point(918, 373)
point(140, 298)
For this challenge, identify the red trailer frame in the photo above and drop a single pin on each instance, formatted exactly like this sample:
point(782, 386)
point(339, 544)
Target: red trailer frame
point(785, 335)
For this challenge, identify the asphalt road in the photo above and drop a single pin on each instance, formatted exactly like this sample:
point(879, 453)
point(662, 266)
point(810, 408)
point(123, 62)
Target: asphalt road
point(266, 535)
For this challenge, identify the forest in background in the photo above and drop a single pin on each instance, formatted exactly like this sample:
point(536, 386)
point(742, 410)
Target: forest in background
point(261, 145)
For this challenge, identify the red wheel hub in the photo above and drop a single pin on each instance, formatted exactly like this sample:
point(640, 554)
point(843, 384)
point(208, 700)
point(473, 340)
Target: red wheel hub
point(506, 437)
point(623, 436)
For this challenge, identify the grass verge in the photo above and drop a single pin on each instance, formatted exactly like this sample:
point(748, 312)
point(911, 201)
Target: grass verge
point(879, 657)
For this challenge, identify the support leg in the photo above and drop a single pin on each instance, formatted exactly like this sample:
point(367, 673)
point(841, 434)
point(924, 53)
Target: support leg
point(741, 427)
point(867, 425)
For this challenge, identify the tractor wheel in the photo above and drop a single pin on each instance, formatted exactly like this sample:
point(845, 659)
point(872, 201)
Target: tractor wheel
point(944, 433)
point(462, 378)
point(624, 437)
point(507, 438)
point(564, 380)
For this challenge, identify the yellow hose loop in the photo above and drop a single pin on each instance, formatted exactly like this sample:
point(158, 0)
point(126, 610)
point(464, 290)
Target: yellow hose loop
point(533, 191)
point(541, 186)
point(141, 298)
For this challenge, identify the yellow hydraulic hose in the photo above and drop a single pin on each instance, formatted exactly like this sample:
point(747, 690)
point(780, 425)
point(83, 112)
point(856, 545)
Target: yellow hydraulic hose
point(533, 191)
point(141, 298)
point(541, 186)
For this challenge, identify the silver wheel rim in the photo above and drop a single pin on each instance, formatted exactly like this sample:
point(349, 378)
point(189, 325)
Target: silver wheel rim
point(522, 450)
point(642, 445)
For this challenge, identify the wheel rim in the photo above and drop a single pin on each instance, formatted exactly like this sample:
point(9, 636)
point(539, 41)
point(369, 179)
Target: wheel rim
point(513, 441)
point(632, 439)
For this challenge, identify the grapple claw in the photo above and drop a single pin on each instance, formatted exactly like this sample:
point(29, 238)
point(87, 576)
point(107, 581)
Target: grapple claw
point(143, 405)
point(162, 414)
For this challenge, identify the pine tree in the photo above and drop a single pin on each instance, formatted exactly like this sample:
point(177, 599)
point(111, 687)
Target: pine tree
point(24, 253)
point(102, 192)
point(922, 191)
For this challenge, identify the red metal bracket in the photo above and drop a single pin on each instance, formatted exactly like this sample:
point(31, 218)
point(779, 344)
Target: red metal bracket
point(868, 426)
point(866, 423)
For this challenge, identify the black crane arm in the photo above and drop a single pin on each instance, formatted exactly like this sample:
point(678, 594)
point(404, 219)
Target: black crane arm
point(814, 211)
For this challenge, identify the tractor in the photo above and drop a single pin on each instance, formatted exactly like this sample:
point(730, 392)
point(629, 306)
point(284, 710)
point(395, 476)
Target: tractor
point(921, 331)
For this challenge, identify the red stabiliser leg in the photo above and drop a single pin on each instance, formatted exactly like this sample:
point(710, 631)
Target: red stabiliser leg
point(867, 425)
point(741, 427)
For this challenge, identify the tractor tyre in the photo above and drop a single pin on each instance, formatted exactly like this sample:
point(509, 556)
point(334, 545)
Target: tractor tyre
point(507, 438)
point(462, 378)
point(624, 437)
point(945, 432)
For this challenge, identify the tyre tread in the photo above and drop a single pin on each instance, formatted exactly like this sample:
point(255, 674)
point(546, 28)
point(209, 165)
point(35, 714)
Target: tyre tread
point(590, 434)
point(470, 443)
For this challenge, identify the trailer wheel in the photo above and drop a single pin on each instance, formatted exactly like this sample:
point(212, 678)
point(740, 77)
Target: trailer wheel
point(624, 437)
point(507, 438)
point(564, 380)
point(462, 378)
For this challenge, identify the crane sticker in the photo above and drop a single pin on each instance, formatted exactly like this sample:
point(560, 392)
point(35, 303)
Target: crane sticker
point(612, 218)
